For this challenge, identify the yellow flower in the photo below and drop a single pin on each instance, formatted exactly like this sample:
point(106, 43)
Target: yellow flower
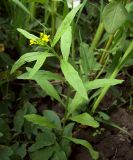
point(32, 42)
point(44, 37)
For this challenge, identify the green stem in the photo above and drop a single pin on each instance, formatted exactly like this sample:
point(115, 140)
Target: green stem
point(53, 18)
point(54, 52)
point(106, 49)
point(113, 75)
point(97, 36)
point(102, 69)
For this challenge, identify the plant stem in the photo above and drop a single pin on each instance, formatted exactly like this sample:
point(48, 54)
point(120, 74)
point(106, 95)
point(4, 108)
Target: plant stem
point(100, 72)
point(113, 75)
point(106, 49)
point(53, 18)
point(97, 36)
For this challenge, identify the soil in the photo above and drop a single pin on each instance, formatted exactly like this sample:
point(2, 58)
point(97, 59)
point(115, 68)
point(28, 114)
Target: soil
point(112, 144)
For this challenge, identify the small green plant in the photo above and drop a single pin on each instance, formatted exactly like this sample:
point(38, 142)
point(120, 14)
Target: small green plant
point(79, 73)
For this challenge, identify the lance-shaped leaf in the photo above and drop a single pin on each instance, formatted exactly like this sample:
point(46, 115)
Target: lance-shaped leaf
point(42, 78)
point(48, 88)
point(85, 119)
point(94, 154)
point(66, 41)
point(40, 57)
point(65, 24)
point(73, 78)
point(78, 100)
point(27, 34)
point(39, 120)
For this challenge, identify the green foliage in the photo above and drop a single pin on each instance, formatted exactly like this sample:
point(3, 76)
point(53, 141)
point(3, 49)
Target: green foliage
point(5, 152)
point(42, 153)
point(87, 145)
point(39, 120)
point(66, 41)
point(65, 25)
point(27, 34)
point(69, 70)
point(114, 16)
point(85, 119)
point(39, 57)
point(43, 140)
point(72, 76)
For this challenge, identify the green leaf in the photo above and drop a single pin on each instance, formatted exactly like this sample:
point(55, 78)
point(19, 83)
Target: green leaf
point(19, 119)
point(87, 59)
point(65, 24)
point(114, 16)
point(39, 120)
point(53, 117)
point(85, 119)
point(59, 155)
point(29, 57)
point(76, 102)
point(19, 150)
point(42, 154)
point(40, 60)
point(41, 73)
point(65, 143)
point(48, 88)
point(103, 116)
point(98, 83)
point(27, 34)
point(73, 78)
point(42, 140)
point(66, 41)
point(87, 145)
point(84, 51)
point(5, 152)
point(42, 77)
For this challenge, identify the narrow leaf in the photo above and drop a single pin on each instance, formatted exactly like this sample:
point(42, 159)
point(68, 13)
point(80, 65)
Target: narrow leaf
point(85, 119)
point(39, 120)
point(27, 34)
point(66, 41)
point(73, 78)
point(40, 60)
point(48, 88)
point(42, 80)
point(29, 57)
point(87, 145)
point(65, 24)
point(77, 101)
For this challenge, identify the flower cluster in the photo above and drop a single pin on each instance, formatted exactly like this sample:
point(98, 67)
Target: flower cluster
point(43, 39)
point(32, 42)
